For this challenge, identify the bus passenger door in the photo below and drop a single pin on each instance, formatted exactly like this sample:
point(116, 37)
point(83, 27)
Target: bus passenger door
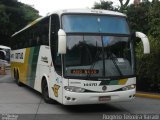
point(56, 65)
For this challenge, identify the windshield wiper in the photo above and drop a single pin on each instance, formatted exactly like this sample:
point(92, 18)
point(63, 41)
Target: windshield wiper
point(114, 62)
point(92, 66)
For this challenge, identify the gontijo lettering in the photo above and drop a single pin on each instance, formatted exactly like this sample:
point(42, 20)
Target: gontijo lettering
point(19, 55)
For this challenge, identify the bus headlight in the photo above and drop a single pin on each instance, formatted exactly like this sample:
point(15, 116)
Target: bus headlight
point(129, 87)
point(74, 89)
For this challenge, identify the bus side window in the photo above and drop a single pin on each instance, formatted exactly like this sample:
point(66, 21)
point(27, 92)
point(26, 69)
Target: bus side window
point(43, 31)
point(55, 26)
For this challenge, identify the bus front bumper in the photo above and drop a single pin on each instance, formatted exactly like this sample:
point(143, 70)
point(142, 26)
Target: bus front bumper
point(73, 98)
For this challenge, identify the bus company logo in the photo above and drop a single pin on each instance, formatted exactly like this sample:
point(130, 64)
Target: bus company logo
point(55, 90)
point(104, 88)
point(44, 59)
point(18, 55)
point(90, 84)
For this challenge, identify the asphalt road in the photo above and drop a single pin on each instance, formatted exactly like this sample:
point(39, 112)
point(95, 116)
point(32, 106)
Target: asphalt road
point(23, 103)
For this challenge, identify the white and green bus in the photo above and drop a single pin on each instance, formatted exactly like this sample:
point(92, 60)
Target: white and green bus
point(79, 56)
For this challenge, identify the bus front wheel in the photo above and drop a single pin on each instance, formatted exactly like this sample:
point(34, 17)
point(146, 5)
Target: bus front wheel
point(45, 93)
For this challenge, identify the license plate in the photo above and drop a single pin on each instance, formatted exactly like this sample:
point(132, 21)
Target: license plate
point(104, 98)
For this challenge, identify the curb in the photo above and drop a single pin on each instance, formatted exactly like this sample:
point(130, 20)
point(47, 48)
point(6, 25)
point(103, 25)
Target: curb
point(148, 95)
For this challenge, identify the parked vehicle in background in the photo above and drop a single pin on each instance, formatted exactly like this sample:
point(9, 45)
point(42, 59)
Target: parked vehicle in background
point(5, 55)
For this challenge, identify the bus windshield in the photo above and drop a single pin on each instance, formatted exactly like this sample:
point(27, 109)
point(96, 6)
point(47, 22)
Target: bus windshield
point(98, 56)
point(95, 24)
point(106, 54)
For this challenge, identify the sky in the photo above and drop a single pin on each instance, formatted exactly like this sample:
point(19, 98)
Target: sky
point(47, 6)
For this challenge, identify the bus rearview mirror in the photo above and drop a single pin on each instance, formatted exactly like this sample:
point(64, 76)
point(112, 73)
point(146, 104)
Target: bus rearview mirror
point(61, 42)
point(145, 41)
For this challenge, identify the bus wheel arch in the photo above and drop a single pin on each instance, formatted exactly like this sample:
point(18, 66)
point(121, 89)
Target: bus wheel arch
point(44, 89)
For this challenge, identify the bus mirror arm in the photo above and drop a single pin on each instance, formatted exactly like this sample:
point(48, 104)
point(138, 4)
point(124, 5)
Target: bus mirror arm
point(61, 42)
point(144, 40)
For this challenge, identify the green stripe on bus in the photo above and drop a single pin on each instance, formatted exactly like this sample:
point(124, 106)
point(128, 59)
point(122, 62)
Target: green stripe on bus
point(110, 82)
point(32, 65)
point(113, 82)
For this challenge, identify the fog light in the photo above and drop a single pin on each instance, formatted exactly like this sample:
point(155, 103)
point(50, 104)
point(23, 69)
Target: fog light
point(74, 89)
point(128, 87)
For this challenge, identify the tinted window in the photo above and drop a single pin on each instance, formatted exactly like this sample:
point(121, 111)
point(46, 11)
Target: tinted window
point(35, 35)
point(95, 24)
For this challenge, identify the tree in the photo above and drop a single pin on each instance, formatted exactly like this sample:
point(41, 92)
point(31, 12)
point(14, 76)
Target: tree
point(106, 5)
point(148, 67)
point(154, 19)
point(13, 17)
point(138, 16)
point(123, 5)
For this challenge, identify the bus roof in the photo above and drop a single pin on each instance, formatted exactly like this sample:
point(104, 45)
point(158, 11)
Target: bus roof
point(89, 11)
point(29, 25)
point(74, 11)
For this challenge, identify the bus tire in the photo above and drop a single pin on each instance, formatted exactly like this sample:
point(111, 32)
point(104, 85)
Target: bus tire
point(45, 93)
point(16, 77)
point(14, 73)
